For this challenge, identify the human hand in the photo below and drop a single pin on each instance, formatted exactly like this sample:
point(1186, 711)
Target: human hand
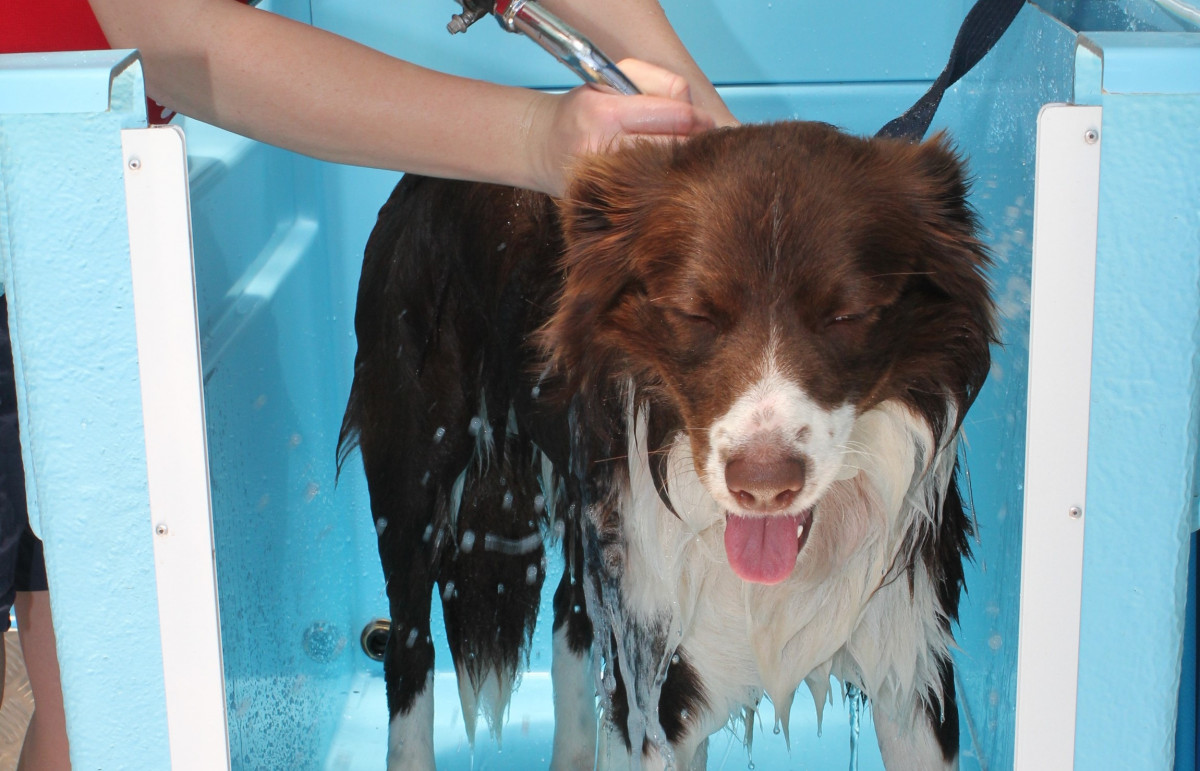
point(589, 119)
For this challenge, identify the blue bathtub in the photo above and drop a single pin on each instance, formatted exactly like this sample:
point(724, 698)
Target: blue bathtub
point(211, 577)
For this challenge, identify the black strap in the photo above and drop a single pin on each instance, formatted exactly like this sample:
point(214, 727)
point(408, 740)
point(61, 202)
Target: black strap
point(984, 25)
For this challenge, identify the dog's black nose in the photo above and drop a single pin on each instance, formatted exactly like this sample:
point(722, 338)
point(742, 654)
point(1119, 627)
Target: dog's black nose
point(764, 481)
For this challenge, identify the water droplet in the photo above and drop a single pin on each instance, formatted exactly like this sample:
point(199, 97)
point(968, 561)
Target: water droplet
point(468, 541)
point(683, 714)
point(380, 525)
point(412, 638)
point(539, 503)
point(427, 534)
point(474, 426)
point(425, 479)
point(439, 434)
point(499, 588)
point(531, 575)
point(777, 729)
point(448, 591)
point(501, 247)
point(506, 504)
point(575, 609)
point(536, 392)
point(311, 491)
point(675, 659)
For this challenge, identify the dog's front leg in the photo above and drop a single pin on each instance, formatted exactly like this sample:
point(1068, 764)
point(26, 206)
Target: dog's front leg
point(637, 651)
point(571, 669)
point(926, 740)
point(911, 749)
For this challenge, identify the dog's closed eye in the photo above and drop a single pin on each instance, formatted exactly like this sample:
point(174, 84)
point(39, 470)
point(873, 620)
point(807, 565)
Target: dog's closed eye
point(697, 323)
point(851, 316)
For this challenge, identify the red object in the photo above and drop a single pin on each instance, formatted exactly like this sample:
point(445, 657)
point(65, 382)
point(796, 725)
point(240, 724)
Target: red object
point(36, 26)
point(39, 26)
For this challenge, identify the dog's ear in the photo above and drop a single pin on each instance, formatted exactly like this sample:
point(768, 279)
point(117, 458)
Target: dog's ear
point(942, 196)
point(608, 192)
point(606, 208)
point(955, 260)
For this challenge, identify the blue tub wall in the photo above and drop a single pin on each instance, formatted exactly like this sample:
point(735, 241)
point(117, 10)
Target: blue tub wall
point(287, 537)
point(857, 91)
point(1145, 419)
point(284, 538)
point(279, 239)
point(65, 258)
point(992, 117)
point(736, 42)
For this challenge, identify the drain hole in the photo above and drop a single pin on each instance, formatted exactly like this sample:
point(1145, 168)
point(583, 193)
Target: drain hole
point(374, 638)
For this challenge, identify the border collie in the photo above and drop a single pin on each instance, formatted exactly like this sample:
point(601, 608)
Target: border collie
point(727, 375)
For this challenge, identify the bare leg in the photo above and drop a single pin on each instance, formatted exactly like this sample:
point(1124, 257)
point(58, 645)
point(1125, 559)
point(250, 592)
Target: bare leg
point(45, 747)
point(3, 669)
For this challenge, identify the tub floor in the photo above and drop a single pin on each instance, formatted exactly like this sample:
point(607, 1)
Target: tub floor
point(360, 743)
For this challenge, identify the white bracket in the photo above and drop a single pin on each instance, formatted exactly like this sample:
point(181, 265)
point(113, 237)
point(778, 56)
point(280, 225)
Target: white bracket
point(164, 294)
point(1066, 200)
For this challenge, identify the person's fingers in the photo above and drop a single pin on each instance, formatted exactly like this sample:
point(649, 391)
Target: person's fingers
point(655, 115)
point(587, 120)
point(656, 81)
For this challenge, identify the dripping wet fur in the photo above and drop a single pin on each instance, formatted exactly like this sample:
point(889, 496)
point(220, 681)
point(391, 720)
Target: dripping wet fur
point(725, 378)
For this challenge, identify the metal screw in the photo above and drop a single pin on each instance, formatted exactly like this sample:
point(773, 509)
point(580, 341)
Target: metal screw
point(460, 21)
point(135, 163)
point(161, 529)
point(1074, 512)
point(1091, 136)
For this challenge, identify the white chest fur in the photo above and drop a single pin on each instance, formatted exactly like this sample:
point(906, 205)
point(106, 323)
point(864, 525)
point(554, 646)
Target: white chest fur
point(848, 608)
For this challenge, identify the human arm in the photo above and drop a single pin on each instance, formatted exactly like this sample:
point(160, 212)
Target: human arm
point(299, 87)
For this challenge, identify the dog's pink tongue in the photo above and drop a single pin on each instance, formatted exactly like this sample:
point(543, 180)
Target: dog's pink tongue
point(762, 549)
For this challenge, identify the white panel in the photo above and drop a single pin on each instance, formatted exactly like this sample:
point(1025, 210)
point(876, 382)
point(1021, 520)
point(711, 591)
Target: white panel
point(164, 291)
point(1060, 355)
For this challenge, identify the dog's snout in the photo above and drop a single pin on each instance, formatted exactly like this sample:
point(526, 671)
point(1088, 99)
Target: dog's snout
point(765, 481)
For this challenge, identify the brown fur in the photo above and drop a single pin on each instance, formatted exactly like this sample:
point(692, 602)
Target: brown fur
point(668, 269)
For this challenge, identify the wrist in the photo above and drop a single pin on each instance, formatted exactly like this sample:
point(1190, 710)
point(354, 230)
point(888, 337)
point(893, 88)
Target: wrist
point(533, 155)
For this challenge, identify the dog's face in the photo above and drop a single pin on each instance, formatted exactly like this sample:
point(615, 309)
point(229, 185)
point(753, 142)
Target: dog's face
point(764, 286)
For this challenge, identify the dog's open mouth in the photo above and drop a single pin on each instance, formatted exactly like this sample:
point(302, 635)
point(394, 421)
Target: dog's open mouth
point(764, 549)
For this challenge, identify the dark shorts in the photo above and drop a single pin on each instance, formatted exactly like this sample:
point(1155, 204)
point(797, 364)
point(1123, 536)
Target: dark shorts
point(22, 568)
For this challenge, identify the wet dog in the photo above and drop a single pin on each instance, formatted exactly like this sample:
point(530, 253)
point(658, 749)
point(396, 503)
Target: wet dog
point(727, 376)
